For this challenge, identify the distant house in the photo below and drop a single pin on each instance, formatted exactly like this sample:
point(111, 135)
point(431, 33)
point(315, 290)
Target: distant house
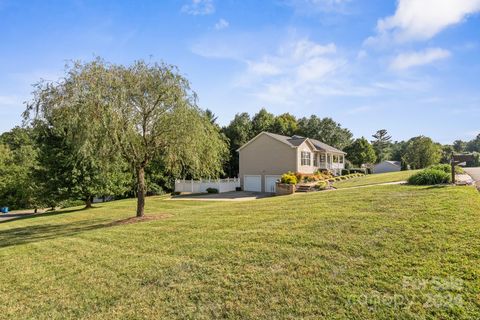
point(267, 156)
point(387, 166)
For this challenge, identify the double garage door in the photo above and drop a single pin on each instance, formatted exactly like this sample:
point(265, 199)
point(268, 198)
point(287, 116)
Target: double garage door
point(254, 183)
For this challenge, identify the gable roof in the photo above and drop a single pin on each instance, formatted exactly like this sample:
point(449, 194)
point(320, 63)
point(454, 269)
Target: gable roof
point(295, 141)
point(395, 163)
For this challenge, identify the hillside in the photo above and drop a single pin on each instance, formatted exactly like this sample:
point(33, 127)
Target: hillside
point(377, 253)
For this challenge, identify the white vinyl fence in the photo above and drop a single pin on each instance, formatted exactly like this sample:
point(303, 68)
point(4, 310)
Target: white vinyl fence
point(200, 186)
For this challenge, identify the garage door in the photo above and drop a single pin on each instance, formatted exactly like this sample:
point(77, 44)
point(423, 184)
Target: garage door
point(270, 182)
point(252, 183)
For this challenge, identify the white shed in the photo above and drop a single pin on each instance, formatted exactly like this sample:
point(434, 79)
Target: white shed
point(387, 166)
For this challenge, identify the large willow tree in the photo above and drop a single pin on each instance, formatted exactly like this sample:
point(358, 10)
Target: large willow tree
point(142, 112)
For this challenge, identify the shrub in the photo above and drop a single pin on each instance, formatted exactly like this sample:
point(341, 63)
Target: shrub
point(358, 170)
point(442, 167)
point(321, 185)
point(429, 177)
point(345, 172)
point(212, 190)
point(446, 168)
point(289, 178)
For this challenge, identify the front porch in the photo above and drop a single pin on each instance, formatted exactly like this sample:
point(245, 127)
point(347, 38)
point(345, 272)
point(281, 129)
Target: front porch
point(329, 161)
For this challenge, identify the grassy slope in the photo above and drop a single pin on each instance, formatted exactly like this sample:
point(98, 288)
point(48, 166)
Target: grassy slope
point(309, 255)
point(375, 179)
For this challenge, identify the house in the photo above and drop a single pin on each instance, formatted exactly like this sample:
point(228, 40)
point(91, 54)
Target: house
point(267, 156)
point(387, 166)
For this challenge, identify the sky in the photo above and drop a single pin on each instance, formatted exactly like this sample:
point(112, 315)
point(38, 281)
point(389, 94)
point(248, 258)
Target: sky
point(409, 66)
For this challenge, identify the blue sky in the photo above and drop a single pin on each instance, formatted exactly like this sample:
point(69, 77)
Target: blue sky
point(409, 66)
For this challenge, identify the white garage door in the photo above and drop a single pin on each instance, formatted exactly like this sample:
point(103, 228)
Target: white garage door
point(270, 182)
point(252, 183)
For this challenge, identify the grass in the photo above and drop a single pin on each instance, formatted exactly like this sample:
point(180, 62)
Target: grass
point(375, 179)
point(386, 252)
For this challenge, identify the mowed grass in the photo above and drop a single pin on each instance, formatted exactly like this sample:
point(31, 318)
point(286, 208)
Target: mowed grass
point(386, 252)
point(375, 179)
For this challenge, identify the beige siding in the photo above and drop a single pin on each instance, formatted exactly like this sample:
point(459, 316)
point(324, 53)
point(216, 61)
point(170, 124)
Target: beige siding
point(266, 156)
point(308, 148)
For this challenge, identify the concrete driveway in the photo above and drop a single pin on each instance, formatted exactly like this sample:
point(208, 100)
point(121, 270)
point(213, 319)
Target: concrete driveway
point(227, 196)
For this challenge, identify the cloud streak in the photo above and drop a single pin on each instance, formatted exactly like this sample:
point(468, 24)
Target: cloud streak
point(408, 60)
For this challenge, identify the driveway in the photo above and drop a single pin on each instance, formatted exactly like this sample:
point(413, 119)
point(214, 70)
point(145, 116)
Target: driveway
point(227, 196)
point(475, 174)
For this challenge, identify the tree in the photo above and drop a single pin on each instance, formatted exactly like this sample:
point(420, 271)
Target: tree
point(397, 150)
point(140, 112)
point(76, 159)
point(447, 151)
point(459, 146)
point(381, 144)
point(360, 152)
point(262, 121)
point(422, 152)
point(474, 144)
point(285, 124)
point(326, 130)
point(238, 132)
point(66, 173)
point(18, 160)
point(151, 112)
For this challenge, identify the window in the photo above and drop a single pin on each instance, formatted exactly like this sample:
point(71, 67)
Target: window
point(305, 158)
point(335, 158)
point(322, 158)
point(315, 160)
point(340, 159)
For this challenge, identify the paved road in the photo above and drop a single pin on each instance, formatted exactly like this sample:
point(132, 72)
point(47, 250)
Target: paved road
point(474, 173)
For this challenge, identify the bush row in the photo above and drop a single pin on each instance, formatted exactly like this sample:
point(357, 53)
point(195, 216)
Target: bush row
point(292, 178)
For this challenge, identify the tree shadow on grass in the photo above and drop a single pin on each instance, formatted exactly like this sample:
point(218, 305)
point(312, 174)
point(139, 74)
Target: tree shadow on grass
point(40, 232)
point(34, 233)
point(43, 214)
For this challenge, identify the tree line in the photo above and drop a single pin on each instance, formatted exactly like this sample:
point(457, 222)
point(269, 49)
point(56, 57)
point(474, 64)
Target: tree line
point(107, 130)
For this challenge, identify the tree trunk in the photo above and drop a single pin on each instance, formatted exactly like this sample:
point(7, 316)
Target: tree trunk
point(141, 191)
point(88, 202)
point(35, 210)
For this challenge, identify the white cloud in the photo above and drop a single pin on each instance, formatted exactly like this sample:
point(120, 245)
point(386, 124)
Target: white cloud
point(199, 7)
point(422, 19)
point(412, 59)
point(221, 24)
point(295, 72)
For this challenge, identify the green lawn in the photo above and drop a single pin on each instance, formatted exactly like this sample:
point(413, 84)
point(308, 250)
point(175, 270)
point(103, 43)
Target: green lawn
point(387, 252)
point(375, 179)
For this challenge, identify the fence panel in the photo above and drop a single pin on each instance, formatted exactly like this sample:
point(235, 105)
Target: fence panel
point(201, 186)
